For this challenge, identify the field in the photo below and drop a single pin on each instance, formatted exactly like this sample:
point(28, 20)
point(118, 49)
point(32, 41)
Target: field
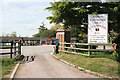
point(102, 65)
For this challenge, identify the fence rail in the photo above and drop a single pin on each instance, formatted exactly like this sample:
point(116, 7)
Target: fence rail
point(66, 47)
point(14, 47)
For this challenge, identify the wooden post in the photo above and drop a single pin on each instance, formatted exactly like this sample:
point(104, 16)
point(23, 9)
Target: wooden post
point(19, 47)
point(103, 46)
point(75, 49)
point(14, 48)
point(11, 49)
point(65, 45)
point(89, 52)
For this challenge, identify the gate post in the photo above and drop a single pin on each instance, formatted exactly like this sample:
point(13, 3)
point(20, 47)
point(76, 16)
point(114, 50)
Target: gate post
point(19, 47)
point(14, 44)
point(11, 49)
point(64, 36)
point(89, 52)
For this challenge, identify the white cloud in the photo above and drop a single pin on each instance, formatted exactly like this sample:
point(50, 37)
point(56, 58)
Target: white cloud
point(6, 2)
point(49, 25)
point(21, 29)
point(23, 17)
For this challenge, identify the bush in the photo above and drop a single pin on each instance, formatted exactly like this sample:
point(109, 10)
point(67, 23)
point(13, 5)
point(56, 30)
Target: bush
point(117, 40)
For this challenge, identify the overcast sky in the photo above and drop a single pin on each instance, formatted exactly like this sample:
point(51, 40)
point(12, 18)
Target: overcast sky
point(23, 16)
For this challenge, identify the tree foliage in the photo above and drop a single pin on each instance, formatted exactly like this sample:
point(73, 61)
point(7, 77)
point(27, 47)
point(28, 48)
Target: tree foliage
point(44, 32)
point(13, 34)
point(75, 14)
point(55, 27)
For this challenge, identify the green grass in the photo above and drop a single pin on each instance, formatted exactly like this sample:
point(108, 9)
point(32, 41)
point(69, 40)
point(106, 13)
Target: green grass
point(5, 46)
point(101, 65)
point(107, 54)
point(8, 65)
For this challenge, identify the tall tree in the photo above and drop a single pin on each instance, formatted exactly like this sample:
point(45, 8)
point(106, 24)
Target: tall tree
point(44, 32)
point(42, 27)
point(76, 13)
point(13, 34)
point(55, 27)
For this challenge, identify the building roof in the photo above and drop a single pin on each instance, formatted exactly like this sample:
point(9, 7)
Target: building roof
point(61, 29)
point(31, 38)
point(7, 39)
point(45, 38)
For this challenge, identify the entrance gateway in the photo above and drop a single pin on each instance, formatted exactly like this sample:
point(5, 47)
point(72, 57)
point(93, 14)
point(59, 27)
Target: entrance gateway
point(97, 31)
point(63, 35)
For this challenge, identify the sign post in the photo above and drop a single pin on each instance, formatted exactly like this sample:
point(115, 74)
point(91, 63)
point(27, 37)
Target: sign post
point(98, 29)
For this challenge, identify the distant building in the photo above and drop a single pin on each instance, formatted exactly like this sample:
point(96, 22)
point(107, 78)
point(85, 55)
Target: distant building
point(33, 40)
point(47, 41)
point(24, 40)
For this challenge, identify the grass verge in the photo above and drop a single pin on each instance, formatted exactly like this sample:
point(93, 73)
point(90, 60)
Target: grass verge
point(105, 66)
point(9, 64)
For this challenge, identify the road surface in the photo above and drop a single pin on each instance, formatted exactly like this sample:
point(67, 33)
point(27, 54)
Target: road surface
point(46, 66)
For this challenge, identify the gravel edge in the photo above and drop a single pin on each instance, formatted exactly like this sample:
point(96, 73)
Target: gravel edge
point(14, 71)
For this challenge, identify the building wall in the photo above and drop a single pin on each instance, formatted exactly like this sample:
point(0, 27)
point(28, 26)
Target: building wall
point(52, 41)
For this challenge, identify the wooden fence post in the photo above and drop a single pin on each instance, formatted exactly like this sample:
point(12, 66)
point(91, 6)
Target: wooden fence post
point(19, 47)
point(75, 49)
point(11, 49)
point(14, 48)
point(64, 45)
point(89, 52)
point(104, 47)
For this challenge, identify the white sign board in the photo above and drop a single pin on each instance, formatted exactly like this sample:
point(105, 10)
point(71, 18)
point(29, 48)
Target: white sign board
point(98, 28)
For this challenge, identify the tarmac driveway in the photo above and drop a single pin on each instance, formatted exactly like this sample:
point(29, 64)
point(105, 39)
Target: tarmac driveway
point(45, 66)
